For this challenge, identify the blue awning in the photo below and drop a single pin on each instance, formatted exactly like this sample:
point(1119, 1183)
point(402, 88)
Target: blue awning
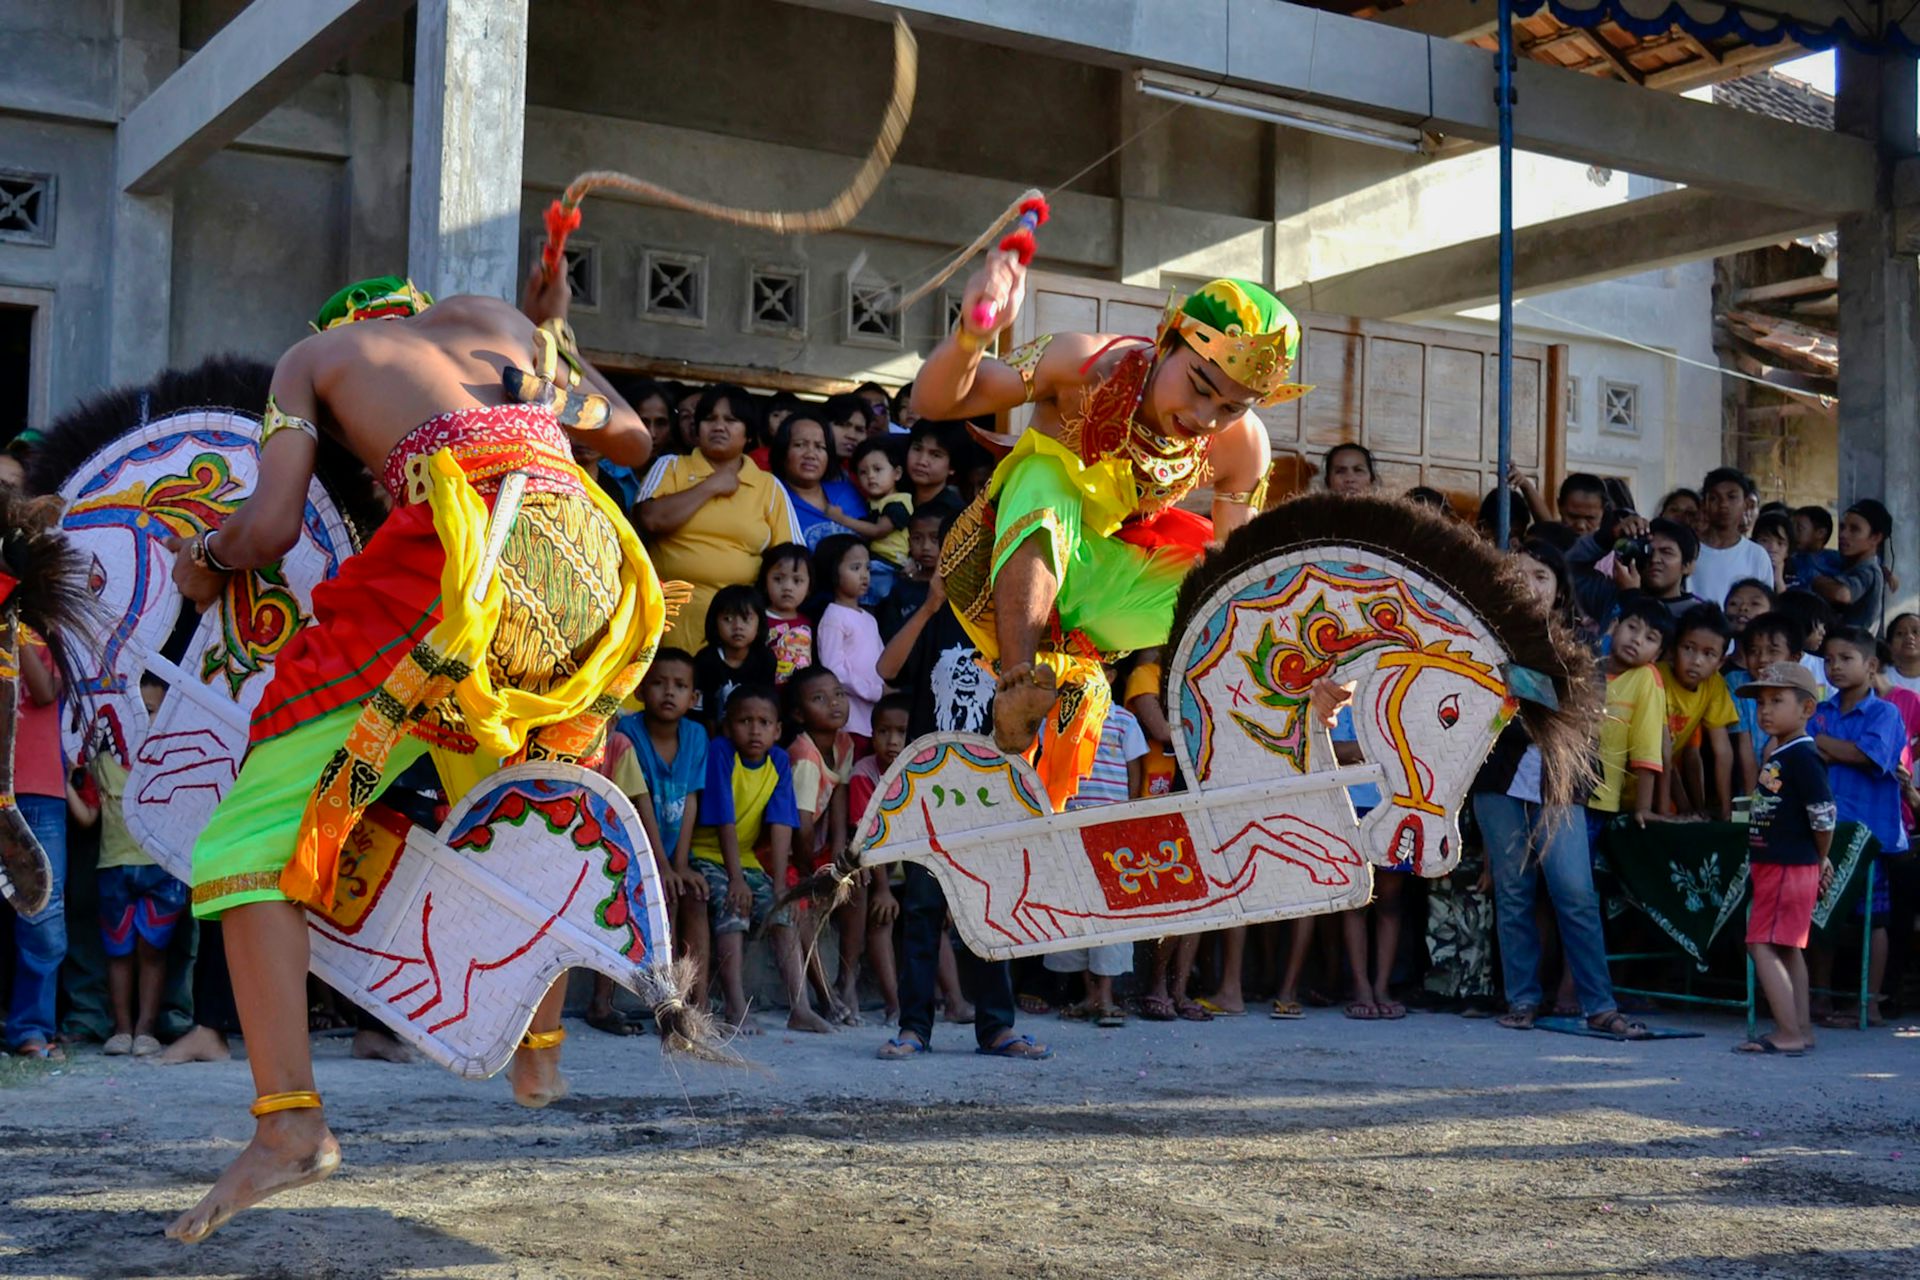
point(1870, 25)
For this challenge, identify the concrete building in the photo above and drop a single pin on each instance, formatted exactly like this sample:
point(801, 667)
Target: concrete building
point(180, 177)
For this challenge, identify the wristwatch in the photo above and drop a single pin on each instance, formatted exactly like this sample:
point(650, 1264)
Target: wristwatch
point(201, 554)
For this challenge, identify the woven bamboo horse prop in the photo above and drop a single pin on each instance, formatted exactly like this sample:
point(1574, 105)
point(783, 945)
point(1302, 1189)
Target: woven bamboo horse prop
point(451, 937)
point(1443, 649)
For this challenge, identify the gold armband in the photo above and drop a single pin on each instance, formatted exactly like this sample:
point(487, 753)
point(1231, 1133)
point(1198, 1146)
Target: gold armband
point(1255, 497)
point(277, 420)
point(1025, 361)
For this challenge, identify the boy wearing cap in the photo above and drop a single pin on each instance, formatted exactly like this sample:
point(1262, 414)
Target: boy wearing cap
point(1788, 836)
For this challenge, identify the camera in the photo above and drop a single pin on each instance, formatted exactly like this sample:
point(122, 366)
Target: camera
point(1633, 552)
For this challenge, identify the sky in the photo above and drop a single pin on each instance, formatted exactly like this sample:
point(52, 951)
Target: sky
point(1815, 69)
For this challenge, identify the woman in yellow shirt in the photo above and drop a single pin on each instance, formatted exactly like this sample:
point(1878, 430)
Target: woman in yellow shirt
point(708, 515)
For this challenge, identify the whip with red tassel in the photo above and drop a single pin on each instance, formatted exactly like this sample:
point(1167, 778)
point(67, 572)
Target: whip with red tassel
point(1030, 213)
point(563, 215)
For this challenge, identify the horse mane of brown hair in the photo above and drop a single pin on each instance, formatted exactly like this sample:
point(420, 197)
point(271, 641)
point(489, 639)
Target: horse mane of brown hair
point(1456, 560)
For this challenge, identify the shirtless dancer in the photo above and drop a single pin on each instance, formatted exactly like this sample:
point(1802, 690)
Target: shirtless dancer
point(419, 398)
point(1077, 549)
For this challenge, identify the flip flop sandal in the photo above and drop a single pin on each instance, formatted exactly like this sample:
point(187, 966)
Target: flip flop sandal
point(902, 1048)
point(1109, 1016)
point(1077, 1013)
point(1018, 1047)
point(1220, 1011)
point(1033, 1005)
point(1361, 1012)
point(610, 1022)
point(1518, 1018)
point(1191, 1011)
point(1158, 1009)
point(1761, 1045)
point(1391, 1010)
point(1287, 1010)
point(1619, 1026)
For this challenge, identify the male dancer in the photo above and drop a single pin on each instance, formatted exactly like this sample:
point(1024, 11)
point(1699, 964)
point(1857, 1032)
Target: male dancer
point(427, 639)
point(1076, 550)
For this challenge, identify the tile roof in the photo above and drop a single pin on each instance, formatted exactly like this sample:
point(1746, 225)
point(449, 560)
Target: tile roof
point(1782, 97)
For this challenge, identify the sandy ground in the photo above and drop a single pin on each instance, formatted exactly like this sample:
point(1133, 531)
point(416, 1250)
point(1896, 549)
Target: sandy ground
point(1432, 1147)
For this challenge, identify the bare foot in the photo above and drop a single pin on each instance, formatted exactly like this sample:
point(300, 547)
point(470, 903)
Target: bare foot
point(535, 1076)
point(803, 1019)
point(289, 1149)
point(202, 1044)
point(742, 1022)
point(1025, 694)
point(959, 1014)
point(378, 1046)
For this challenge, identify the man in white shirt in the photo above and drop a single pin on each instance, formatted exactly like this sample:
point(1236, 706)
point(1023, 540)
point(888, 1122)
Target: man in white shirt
point(1726, 556)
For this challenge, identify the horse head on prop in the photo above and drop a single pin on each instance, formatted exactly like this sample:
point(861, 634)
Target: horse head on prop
point(1442, 646)
point(43, 588)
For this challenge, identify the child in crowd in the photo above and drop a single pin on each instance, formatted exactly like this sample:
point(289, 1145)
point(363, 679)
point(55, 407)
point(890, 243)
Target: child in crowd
point(883, 907)
point(1370, 997)
point(1774, 534)
point(1699, 711)
point(848, 637)
point(1816, 618)
point(748, 793)
point(786, 579)
point(821, 752)
point(620, 765)
point(909, 590)
point(140, 904)
point(1747, 599)
point(1812, 530)
point(1903, 639)
point(1770, 638)
point(736, 651)
point(877, 476)
point(1852, 582)
point(1632, 733)
point(1788, 835)
point(931, 447)
point(1863, 739)
point(1119, 773)
point(668, 748)
point(847, 417)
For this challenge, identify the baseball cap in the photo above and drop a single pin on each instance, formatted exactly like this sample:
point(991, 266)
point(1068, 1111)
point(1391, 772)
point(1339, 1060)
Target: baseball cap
point(1781, 675)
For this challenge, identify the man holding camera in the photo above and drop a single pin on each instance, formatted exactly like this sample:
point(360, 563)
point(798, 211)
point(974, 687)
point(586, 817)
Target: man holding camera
point(1630, 553)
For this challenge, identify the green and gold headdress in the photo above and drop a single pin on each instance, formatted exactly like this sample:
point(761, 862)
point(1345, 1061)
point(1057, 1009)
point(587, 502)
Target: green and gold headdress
point(380, 298)
point(1245, 332)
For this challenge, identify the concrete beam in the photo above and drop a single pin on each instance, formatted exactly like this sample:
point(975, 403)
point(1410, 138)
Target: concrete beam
point(1603, 244)
point(271, 48)
point(469, 120)
point(1446, 19)
point(1373, 70)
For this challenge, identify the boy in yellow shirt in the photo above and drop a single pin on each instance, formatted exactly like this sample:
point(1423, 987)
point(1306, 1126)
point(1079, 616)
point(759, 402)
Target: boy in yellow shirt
point(1633, 731)
point(1699, 710)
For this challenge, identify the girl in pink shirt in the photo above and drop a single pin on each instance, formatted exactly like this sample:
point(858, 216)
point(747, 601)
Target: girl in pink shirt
point(848, 639)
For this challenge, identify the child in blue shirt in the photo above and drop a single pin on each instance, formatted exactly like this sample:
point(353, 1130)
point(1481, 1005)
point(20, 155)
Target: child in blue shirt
point(748, 793)
point(1861, 735)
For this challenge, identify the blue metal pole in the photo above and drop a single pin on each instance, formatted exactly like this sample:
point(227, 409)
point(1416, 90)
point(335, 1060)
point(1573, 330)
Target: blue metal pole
point(1505, 103)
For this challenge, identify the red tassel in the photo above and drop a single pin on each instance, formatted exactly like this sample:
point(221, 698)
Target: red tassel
point(1037, 207)
point(1021, 244)
point(562, 222)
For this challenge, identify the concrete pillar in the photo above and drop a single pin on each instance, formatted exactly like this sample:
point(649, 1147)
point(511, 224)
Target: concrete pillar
point(469, 116)
point(1879, 310)
point(378, 156)
point(139, 318)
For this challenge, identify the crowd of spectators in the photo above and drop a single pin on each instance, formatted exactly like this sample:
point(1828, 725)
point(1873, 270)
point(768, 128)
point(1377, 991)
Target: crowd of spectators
point(817, 642)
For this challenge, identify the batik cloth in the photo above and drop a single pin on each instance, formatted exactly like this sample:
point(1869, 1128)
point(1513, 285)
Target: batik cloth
point(1101, 497)
point(414, 645)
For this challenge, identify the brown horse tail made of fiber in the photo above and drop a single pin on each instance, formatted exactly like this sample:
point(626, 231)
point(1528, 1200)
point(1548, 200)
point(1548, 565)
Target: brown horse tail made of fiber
point(837, 213)
point(685, 1028)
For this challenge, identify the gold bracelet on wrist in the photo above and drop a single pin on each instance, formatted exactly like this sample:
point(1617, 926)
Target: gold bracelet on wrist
point(970, 342)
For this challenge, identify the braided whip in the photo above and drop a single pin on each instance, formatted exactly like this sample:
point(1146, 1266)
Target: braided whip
point(1032, 211)
point(563, 215)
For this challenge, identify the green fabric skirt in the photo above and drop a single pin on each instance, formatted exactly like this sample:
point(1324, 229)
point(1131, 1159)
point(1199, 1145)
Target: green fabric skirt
point(247, 843)
point(1120, 596)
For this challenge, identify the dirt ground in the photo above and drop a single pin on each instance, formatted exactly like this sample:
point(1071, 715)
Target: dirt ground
point(1432, 1147)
